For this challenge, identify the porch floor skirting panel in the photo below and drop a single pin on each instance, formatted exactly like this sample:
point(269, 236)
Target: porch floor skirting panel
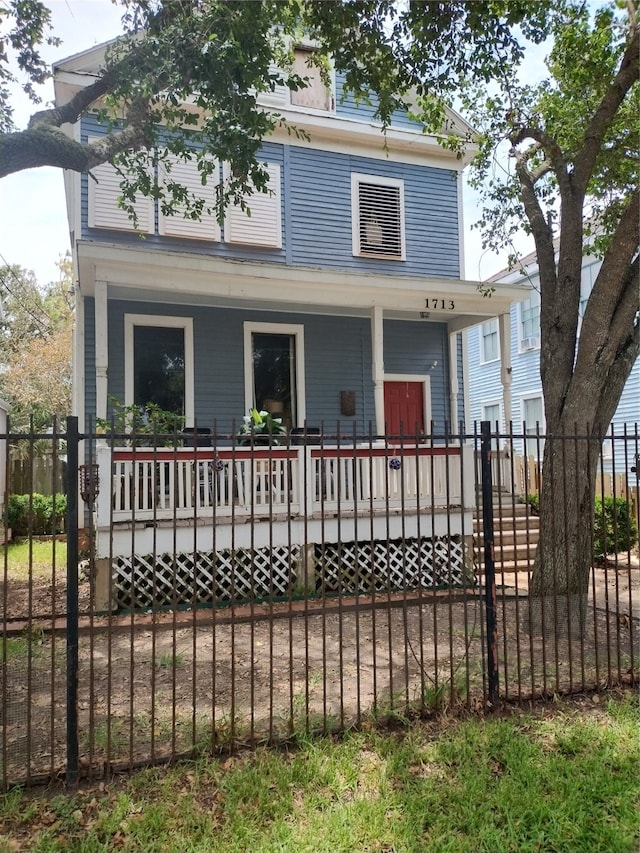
point(280, 572)
point(179, 580)
point(394, 565)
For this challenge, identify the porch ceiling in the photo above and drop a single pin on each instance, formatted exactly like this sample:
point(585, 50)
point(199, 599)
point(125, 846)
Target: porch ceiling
point(139, 273)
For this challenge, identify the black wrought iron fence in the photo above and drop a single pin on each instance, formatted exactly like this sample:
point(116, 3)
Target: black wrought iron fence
point(206, 593)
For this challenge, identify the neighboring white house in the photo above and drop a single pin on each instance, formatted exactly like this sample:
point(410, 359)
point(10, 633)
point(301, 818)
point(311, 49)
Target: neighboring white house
point(501, 395)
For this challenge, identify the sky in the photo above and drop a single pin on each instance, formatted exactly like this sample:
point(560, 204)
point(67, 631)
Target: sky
point(33, 221)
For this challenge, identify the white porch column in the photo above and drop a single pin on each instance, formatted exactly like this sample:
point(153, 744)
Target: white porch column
point(102, 348)
point(504, 331)
point(453, 382)
point(377, 366)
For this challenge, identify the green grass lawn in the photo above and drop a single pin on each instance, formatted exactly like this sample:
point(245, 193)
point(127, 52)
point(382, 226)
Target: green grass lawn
point(35, 556)
point(563, 779)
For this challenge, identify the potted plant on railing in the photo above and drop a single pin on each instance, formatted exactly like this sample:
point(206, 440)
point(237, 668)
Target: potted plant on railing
point(143, 426)
point(260, 428)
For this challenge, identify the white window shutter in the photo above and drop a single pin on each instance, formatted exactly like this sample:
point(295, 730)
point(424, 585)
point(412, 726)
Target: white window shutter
point(264, 226)
point(378, 217)
point(315, 94)
point(103, 211)
point(206, 228)
point(280, 95)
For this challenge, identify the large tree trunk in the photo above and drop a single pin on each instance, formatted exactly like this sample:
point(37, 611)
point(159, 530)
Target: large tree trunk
point(561, 575)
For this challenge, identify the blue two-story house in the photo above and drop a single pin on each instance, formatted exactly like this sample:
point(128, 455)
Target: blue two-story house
point(504, 370)
point(338, 306)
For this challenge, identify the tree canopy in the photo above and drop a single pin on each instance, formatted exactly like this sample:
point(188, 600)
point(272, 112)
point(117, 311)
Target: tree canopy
point(186, 77)
point(35, 346)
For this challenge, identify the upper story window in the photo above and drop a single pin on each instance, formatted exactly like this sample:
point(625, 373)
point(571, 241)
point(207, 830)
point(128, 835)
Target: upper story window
point(187, 174)
point(529, 332)
point(103, 193)
point(377, 211)
point(489, 342)
point(262, 226)
point(316, 95)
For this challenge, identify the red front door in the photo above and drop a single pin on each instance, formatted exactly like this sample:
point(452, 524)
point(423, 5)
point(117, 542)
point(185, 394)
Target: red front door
point(404, 408)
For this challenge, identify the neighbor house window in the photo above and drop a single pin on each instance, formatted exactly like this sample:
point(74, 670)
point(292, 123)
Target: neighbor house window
point(316, 95)
point(159, 363)
point(492, 412)
point(529, 337)
point(274, 370)
point(490, 348)
point(377, 210)
point(533, 420)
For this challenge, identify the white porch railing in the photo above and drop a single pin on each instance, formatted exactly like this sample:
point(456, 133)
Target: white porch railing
point(222, 483)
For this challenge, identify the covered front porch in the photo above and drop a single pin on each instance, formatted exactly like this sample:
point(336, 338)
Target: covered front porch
point(261, 522)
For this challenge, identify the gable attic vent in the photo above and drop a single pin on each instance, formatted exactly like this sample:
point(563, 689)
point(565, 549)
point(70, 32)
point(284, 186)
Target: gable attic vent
point(379, 218)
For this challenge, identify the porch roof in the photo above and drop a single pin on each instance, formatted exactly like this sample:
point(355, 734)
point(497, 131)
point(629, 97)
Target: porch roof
point(141, 273)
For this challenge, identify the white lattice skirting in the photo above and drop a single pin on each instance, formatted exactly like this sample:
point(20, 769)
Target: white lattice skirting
point(243, 574)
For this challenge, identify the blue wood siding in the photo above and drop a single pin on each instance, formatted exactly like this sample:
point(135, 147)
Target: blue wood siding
point(337, 358)
point(412, 347)
point(321, 214)
point(346, 107)
point(271, 152)
point(316, 211)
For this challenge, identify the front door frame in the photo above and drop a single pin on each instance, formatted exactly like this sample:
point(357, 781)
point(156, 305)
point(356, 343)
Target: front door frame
point(425, 379)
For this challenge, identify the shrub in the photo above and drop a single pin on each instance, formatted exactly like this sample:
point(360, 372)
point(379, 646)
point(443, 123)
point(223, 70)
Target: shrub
point(34, 514)
point(615, 528)
point(534, 502)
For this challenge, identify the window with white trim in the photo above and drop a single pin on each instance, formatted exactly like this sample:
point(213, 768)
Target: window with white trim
point(489, 341)
point(529, 327)
point(274, 370)
point(186, 173)
point(159, 363)
point(103, 191)
point(491, 413)
point(534, 425)
point(377, 216)
point(261, 225)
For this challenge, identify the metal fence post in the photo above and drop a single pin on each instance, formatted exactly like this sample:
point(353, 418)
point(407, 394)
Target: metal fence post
point(72, 602)
point(489, 563)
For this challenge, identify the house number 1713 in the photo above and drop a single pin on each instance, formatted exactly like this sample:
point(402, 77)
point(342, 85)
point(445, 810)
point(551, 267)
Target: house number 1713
point(442, 304)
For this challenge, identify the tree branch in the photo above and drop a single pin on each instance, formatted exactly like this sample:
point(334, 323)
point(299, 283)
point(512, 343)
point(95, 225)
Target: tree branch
point(627, 75)
point(70, 112)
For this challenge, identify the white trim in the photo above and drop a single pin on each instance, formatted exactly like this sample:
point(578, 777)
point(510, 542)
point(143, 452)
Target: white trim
point(462, 264)
point(426, 391)
point(78, 388)
point(296, 329)
point(184, 323)
point(465, 381)
point(101, 348)
point(142, 272)
point(358, 178)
